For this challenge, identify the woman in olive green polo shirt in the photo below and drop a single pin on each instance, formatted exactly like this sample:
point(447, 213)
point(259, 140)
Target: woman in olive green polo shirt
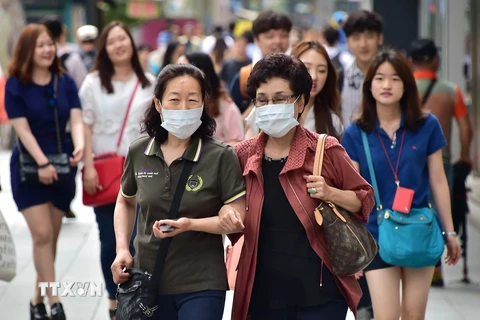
point(194, 279)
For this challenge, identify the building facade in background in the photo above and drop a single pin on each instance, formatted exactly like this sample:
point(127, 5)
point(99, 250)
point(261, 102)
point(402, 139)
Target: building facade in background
point(12, 20)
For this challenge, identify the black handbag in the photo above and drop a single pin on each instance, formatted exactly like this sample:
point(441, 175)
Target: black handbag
point(60, 160)
point(137, 297)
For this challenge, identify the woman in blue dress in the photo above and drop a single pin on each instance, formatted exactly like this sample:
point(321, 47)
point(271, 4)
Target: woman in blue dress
point(29, 98)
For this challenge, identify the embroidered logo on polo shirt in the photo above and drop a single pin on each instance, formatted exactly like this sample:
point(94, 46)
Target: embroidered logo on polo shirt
point(145, 173)
point(194, 183)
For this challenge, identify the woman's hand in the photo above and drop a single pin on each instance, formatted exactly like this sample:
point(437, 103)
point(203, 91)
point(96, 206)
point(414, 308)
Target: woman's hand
point(122, 260)
point(90, 180)
point(317, 187)
point(181, 225)
point(453, 251)
point(47, 175)
point(359, 274)
point(77, 156)
point(230, 220)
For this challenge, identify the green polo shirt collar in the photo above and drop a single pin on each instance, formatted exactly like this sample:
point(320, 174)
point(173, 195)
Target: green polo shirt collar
point(192, 153)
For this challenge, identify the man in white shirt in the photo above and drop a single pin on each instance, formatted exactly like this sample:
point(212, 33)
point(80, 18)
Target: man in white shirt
point(364, 30)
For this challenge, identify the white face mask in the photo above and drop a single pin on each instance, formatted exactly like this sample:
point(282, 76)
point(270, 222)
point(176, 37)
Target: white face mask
point(276, 119)
point(182, 123)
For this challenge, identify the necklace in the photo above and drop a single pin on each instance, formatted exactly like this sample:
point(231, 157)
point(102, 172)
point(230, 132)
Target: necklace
point(271, 159)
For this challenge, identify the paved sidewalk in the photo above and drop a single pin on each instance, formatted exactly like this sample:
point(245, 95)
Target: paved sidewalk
point(79, 260)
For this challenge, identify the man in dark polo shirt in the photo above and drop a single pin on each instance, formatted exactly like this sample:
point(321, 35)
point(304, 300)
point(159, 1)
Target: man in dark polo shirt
point(195, 260)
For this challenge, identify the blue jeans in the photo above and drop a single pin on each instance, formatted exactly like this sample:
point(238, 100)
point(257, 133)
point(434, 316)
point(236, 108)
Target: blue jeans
point(333, 310)
point(201, 305)
point(108, 245)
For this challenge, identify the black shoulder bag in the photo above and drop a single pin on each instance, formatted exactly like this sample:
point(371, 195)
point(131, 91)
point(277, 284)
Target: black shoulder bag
point(60, 161)
point(137, 298)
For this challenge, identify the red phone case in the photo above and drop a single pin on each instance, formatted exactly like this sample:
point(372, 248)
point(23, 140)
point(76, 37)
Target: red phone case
point(403, 200)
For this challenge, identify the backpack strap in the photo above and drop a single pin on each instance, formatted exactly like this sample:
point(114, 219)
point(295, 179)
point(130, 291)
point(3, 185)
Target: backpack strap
point(428, 92)
point(63, 59)
point(244, 74)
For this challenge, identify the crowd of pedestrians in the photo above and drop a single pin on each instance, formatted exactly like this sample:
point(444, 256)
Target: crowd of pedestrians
point(242, 116)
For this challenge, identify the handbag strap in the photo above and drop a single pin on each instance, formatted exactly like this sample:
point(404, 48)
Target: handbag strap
point(126, 115)
point(317, 171)
point(370, 169)
point(165, 243)
point(55, 112)
point(319, 153)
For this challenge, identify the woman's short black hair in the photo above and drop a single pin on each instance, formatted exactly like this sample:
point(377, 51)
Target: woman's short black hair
point(280, 65)
point(152, 121)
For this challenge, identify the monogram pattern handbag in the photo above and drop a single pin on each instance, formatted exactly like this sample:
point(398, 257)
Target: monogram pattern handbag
point(351, 247)
point(60, 161)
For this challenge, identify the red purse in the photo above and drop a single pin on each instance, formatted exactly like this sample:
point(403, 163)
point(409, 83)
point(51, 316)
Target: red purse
point(109, 167)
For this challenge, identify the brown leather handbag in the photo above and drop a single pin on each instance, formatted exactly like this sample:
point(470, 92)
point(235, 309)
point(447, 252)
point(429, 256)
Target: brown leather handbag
point(351, 247)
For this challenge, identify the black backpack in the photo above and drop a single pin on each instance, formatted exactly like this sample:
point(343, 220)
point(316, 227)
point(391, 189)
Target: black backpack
point(339, 68)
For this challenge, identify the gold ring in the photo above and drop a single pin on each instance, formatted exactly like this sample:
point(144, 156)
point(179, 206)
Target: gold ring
point(312, 190)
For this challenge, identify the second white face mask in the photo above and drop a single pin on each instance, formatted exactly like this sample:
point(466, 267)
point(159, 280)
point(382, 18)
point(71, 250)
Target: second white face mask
point(276, 119)
point(182, 123)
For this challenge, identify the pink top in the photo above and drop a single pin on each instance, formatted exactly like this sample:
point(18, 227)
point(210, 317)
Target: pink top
point(229, 122)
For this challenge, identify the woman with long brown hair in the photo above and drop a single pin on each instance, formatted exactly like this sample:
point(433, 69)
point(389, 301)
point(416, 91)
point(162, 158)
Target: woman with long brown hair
point(219, 104)
point(406, 152)
point(40, 99)
point(322, 112)
point(117, 84)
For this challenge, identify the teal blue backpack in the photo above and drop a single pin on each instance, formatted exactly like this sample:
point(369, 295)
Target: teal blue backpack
point(411, 240)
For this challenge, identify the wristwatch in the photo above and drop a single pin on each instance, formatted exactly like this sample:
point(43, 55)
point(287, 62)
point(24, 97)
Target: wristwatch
point(450, 233)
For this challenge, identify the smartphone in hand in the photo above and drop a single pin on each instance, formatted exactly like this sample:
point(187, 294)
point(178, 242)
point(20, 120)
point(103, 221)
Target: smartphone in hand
point(166, 228)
